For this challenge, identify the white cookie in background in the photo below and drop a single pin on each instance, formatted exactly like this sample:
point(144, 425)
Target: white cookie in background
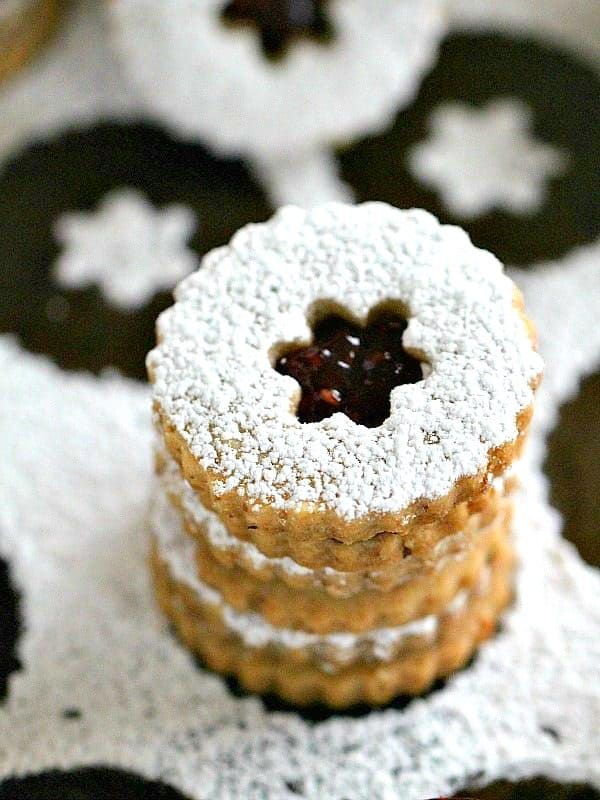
point(210, 79)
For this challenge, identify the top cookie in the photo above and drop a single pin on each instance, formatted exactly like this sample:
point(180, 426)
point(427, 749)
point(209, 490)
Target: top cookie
point(229, 417)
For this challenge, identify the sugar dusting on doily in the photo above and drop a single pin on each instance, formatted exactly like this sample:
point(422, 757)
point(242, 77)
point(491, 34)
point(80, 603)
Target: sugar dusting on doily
point(75, 484)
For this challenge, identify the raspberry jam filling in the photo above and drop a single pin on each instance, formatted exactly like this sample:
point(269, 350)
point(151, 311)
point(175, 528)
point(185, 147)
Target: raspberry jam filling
point(351, 369)
point(281, 21)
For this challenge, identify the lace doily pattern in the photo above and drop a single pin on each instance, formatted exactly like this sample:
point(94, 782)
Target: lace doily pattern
point(184, 61)
point(94, 642)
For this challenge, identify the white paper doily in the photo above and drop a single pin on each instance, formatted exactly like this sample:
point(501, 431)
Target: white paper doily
point(74, 488)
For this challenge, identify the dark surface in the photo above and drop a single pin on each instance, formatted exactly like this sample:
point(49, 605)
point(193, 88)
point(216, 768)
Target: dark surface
point(10, 627)
point(44, 182)
point(86, 784)
point(563, 95)
point(573, 464)
point(537, 789)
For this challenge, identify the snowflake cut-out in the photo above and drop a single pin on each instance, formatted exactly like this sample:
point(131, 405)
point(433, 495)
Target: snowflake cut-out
point(482, 159)
point(130, 249)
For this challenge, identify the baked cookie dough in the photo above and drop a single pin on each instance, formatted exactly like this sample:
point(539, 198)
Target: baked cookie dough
point(229, 418)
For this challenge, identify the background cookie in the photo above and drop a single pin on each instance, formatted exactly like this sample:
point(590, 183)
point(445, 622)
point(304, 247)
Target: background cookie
point(474, 70)
point(80, 328)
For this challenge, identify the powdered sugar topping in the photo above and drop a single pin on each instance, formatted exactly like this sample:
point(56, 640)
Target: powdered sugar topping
point(214, 382)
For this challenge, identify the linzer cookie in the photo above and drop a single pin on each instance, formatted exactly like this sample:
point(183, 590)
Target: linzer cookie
point(339, 395)
point(229, 417)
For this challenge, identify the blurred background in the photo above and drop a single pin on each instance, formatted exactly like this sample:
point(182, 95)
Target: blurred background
point(136, 135)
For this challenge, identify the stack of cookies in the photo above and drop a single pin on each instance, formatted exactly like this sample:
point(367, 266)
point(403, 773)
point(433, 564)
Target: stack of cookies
point(340, 395)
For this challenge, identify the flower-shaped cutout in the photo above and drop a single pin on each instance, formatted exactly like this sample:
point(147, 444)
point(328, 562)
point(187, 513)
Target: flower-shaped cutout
point(351, 369)
point(281, 21)
point(128, 247)
point(487, 158)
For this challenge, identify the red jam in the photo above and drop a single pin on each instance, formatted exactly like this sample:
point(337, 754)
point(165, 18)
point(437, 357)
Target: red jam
point(351, 369)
